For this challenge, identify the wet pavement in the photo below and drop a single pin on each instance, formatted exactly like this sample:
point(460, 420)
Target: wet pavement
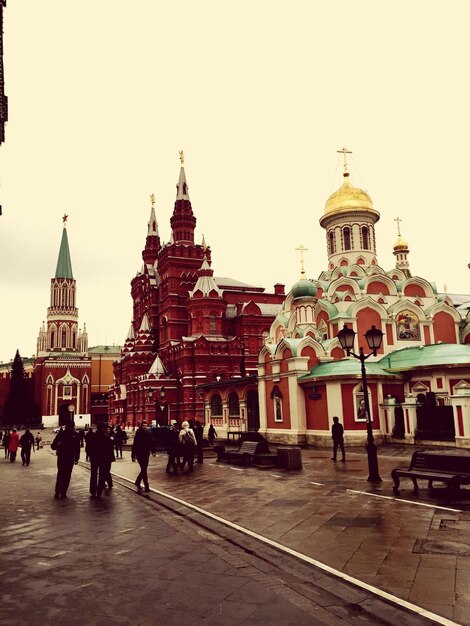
point(131, 559)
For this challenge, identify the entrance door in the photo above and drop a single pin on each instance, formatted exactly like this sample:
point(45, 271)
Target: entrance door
point(64, 414)
point(252, 408)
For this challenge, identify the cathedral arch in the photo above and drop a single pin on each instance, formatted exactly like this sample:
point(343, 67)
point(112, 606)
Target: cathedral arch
point(383, 285)
point(344, 284)
point(418, 287)
point(445, 329)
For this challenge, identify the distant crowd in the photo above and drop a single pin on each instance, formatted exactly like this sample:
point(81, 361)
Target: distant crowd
point(183, 443)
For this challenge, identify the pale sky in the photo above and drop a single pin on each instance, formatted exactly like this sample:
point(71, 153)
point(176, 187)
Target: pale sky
point(260, 95)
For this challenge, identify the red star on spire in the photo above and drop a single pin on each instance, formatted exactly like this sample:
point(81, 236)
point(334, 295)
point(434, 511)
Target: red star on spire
point(64, 219)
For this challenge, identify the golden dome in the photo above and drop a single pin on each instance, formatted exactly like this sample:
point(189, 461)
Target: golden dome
point(348, 197)
point(400, 244)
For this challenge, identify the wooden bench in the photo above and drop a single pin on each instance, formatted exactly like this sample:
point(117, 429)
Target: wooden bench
point(449, 467)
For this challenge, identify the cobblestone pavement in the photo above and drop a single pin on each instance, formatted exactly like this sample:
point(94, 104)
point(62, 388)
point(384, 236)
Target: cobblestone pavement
point(414, 547)
point(131, 560)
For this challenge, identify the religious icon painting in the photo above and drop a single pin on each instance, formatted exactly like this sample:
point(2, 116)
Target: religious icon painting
point(407, 326)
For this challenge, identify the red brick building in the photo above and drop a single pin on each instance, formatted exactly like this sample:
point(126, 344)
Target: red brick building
point(190, 331)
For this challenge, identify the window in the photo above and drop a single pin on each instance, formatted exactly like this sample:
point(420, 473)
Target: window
point(360, 413)
point(213, 325)
point(276, 396)
point(64, 339)
point(332, 242)
point(365, 238)
point(347, 239)
point(216, 406)
point(233, 405)
point(67, 391)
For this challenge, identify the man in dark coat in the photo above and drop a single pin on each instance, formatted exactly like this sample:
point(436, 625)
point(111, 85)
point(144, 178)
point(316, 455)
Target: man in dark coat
point(199, 433)
point(172, 448)
point(26, 443)
point(67, 446)
point(141, 449)
point(102, 455)
point(337, 431)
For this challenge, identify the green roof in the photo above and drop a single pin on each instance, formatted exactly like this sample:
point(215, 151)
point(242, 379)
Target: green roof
point(345, 367)
point(64, 264)
point(438, 354)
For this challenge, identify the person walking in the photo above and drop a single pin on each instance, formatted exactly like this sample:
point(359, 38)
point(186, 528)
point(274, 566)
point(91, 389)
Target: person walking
point(13, 444)
point(199, 434)
point(337, 432)
point(172, 448)
point(142, 446)
point(26, 443)
point(67, 446)
point(118, 441)
point(88, 442)
point(211, 435)
point(187, 440)
point(103, 453)
point(6, 442)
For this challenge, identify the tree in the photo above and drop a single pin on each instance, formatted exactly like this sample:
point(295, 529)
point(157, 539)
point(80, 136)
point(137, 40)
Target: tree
point(19, 406)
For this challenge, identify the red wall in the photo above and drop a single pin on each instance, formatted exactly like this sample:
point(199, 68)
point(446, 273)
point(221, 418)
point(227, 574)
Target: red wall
point(444, 328)
point(317, 410)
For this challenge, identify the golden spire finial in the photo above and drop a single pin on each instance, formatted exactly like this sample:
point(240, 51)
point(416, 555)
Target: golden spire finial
point(302, 249)
point(182, 157)
point(204, 247)
point(152, 199)
point(64, 219)
point(344, 151)
point(398, 220)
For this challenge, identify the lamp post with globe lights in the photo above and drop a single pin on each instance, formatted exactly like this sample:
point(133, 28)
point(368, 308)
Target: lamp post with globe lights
point(373, 337)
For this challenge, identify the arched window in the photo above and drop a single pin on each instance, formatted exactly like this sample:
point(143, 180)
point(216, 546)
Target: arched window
point(216, 406)
point(64, 339)
point(52, 339)
point(365, 238)
point(332, 242)
point(233, 405)
point(213, 326)
point(347, 238)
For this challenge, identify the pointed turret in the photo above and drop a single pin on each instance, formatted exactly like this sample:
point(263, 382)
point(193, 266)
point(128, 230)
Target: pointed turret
point(182, 221)
point(206, 305)
point(64, 263)
point(152, 243)
point(401, 251)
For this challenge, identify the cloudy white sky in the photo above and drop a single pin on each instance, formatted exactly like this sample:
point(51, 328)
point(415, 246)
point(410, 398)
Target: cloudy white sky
point(260, 95)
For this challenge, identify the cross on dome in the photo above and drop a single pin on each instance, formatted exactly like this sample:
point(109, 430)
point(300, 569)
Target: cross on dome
point(302, 249)
point(398, 220)
point(182, 157)
point(345, 151)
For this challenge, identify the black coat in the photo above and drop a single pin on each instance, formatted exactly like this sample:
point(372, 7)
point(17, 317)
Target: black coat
point(101, 448)
point(67, 445)
point(143, 444)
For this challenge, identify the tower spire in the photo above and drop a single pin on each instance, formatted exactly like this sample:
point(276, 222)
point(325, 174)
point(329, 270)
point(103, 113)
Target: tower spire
point(64, 263)
point(182, 221)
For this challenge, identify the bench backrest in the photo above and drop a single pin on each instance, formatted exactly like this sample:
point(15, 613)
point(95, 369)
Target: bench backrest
point(441, 462)
point(248, 447)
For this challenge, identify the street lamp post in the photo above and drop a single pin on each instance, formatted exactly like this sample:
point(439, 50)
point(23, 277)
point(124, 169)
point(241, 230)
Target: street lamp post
point(162, 396)
point(374, 340)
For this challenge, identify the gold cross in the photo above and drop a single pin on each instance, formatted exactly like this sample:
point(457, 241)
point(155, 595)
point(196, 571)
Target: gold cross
point(182, 157)
point(345, 152)
point(398, 220)
point(152, 199)
point(302, 249)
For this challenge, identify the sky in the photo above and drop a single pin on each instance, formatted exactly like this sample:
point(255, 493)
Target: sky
point(260, 95)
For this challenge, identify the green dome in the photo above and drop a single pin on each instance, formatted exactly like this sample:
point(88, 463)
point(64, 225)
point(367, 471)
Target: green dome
point(304, 288)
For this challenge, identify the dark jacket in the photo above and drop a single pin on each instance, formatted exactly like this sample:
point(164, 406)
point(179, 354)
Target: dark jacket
point(67, 444)
point(101, 449)
point(143, 444)
point(26, 440)
point(337, 431)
